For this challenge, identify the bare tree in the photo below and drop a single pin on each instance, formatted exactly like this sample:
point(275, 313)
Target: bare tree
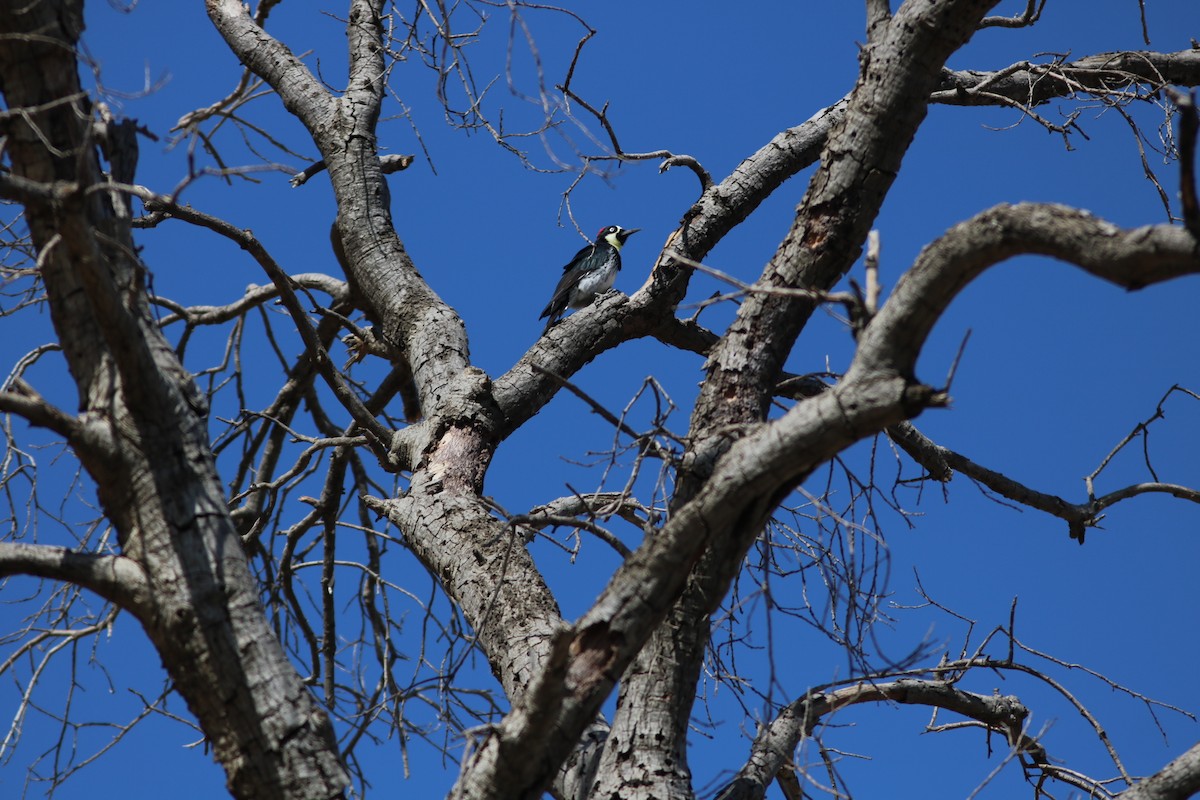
point(234, 520)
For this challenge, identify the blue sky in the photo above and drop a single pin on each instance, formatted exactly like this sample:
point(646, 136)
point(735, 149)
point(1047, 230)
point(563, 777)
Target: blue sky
point(1057, 370)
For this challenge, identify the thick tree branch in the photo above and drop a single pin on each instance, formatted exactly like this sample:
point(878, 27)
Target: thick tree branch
point(879, 14)
point(1133, 259)
point(521, 392)
point(161, 489)
point(158, 476)
point(775, 742)
point(115, 578)
point(860, 160)
point(741, 494)
point(838, 209)
point(410, 316)
point(21, 399)
point(1178, 780)
point(484, 567)
point(301, 92)
point(364, 87)
point(598, 332)
point(687, 335)
point(1102, 74)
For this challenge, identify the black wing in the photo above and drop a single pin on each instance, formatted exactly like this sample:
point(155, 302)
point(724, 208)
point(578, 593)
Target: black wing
point(562, 292)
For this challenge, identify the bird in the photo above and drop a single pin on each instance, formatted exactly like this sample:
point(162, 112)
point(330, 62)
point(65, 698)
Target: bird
point(590, 273)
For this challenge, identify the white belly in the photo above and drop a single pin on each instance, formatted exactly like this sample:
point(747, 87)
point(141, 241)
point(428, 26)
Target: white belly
point(597, 283)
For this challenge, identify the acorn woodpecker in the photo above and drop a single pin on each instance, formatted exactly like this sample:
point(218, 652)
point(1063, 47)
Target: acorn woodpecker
point(590, 273)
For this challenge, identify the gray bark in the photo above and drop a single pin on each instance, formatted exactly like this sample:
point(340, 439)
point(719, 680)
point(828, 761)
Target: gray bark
point(182, 571)
point(1178, 780)
point(864, 151)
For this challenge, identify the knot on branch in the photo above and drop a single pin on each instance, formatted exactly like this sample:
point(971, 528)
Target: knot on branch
point(593, 651)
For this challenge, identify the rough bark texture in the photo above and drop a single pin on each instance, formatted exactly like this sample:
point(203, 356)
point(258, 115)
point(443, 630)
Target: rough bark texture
point(1176, 781)
point(863, 155)
point(195, 595)
point(182, 569)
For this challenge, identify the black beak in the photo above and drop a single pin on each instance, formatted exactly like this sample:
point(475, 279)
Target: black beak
point(625, 234)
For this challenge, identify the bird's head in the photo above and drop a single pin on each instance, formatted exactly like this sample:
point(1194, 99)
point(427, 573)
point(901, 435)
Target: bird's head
point(615, 235)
